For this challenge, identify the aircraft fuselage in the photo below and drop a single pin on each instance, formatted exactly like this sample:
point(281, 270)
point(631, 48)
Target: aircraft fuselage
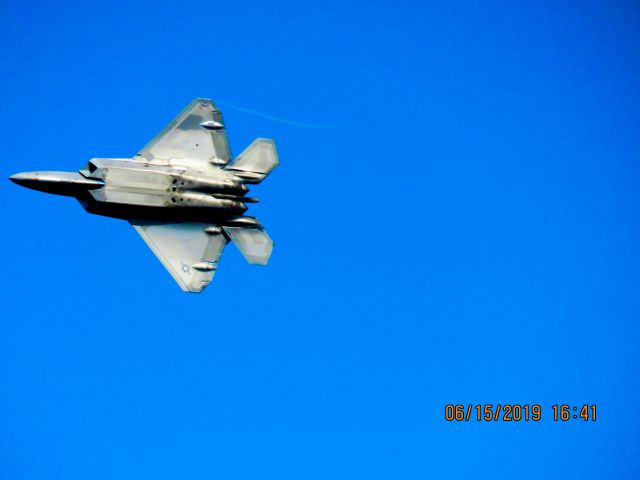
point(128, 189)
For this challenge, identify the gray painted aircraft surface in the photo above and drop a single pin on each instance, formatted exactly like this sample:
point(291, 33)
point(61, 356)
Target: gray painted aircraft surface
point(182, 193)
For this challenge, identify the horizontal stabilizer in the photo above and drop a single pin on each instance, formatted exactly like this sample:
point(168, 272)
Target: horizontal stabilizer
point(254, 243)
point(256, 162)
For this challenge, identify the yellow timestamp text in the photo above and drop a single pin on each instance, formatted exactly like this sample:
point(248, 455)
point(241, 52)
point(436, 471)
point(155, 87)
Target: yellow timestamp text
point(514, 412)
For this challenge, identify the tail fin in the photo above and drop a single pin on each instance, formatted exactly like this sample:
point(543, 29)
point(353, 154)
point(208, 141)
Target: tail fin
point(256, 162)
point(254, 243)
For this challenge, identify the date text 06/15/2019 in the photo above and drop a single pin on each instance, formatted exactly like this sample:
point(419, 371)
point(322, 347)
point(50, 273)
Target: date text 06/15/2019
point(490, 412)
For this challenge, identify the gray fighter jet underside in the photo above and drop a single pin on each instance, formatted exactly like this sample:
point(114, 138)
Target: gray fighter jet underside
point(182, 193)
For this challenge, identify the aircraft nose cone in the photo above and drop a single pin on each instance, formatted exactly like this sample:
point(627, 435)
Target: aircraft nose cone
point(24, 179)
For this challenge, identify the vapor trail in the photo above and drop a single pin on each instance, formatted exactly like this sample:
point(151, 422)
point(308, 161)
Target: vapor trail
point(276, 119)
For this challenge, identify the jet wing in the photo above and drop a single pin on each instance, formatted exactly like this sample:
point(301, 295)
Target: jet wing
point(196, 138)
point(189, 251)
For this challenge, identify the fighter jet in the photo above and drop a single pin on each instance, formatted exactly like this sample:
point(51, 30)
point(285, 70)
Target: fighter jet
point(182, 193)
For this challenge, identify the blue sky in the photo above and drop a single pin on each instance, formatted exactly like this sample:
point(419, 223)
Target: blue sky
point(464, 231)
